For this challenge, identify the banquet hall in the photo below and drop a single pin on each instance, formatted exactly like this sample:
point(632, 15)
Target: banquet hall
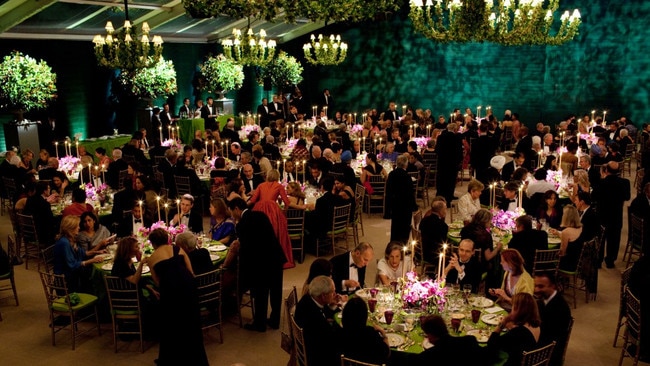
point(389, 61)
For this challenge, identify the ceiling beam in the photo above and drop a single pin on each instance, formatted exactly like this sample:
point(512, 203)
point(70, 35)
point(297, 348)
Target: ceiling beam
point(301, 31)
point(87, 38)
point(87, 18)
point(167, 13)
point(24, 10)
point(119, 4)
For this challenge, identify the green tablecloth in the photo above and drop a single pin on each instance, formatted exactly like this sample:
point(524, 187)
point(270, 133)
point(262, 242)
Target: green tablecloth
point(109, 144)
point(188, 127)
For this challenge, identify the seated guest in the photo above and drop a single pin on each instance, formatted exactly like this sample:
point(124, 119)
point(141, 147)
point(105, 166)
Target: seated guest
point(571, 239)
point(199, 257)
point(50, 170)
point(316, 319)
point(372, 167)
point(38, 206)
point(43, 157)
point(251, 180)
point(117, 165)
point(145, 192)
point(434, 230)
point(123, 266)
point(638, 284)
point(131, 223)
point(447, 350)
point(296, 195)
point(289, 174)
point(222, 226)
point(103, 160)
point(528, 240)
point(60, 184)
point(515, 279)
point(510, 196)
point(554, 313)
point(316, 175)
point(92, 235)
point(523, 330)
point(469, 203)
point(359, 341)
point(236, 189)
point(394, 264)
point(319, 267)
point(477, 232)
point(580, 183)
point(188, 217)
point(508, 169)
point(70, 259)
point(389, 153)
point(321, 218)
point(349, 269)
point(549, 210)
point(78, 205)
point(588, 217)
point(464, 268)
point(539, 185)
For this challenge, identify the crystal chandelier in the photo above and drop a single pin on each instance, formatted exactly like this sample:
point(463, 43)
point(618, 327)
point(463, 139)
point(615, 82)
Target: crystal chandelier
point(249, 50)
point(327, 51)
point(507, 22)
point(126, 50)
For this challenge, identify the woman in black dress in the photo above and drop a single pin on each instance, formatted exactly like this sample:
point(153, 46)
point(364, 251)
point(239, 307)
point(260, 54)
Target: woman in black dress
point(181, 339)
point(358, 340)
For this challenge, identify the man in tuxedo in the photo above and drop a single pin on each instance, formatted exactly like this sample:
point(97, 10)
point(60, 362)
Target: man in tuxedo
point(316, 318)
point(43, 174)
point(166, 167)
point(549, 145)
point(166, 117)
point(326, 100)
point(447, 350)
point(323, 210)
point(277, 109)
point(349, 268)
point(209, 114)
point(481, 152)
point(588, 217)
point(433, 229)
point(263, 111)
point(525, 145)
point(517, 162)
point(528, 240)
point(464, 268)
point(400, 200)
point(450, 147)
point(185, 108)
point(187, 216)
point(610, 196)
point(228, 132)
point(260, 263)
point(132, 222)
point(293, 116)
point(251, 181)
point(391, 114)
point(592, 173)
point(114, 168)
point(555, 314)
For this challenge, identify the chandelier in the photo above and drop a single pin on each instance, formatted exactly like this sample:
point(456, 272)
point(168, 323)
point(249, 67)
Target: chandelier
point(327, 51)
point(126, 50)
point(507, 22)
point(249, 50)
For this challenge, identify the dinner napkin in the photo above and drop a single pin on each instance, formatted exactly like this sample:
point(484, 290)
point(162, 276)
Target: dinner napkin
point(494, 309)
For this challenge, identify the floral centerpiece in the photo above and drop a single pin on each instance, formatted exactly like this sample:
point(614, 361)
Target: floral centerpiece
point(246, 130)
point(94, 194)
point(421, 141)
point(151, 82)
point(25, 83)
point(221, 74)
point(356, 129)
point(505, 220)
point(428, 295)
point(69, 164)
point(174, 144)
point(555, 177)
point(143, 232)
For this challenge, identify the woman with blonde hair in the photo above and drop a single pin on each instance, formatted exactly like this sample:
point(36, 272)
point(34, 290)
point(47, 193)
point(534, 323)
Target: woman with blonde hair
point(570, 238)
point(580, 182)
point(296, 195)
point(70, 259)
point(469, 203)
point(515, 278)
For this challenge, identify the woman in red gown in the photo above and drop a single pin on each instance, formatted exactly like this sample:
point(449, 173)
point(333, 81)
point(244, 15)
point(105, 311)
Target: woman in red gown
point(265, 200)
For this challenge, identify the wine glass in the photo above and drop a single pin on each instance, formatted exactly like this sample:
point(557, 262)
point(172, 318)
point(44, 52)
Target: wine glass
point(467, 289)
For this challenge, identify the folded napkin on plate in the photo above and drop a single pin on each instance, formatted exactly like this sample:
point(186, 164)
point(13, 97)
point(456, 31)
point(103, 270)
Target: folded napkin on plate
point(494, 309)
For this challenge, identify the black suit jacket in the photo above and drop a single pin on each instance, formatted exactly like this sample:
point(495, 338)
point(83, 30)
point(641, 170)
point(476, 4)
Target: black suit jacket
point(230, 135)
point(126, 225)
point(260, 251)
point(210, 122)
point(257, 180)
point(590, 224)
point(434, 233)
point(400, 195)
point(320, 332)
point(184, 109)
point(113, 172)
point(40, 210)
point(449, 350)
point(527, 242)
point(555, 316)
point(610, 195)
point(481, 152)
point(388, 115)
point(276, 111)
point(195, 223)
point(506, 172)
point(166, 119)
point(341, 271)
point(264, 114)
point(167, 170)
point(473, 271)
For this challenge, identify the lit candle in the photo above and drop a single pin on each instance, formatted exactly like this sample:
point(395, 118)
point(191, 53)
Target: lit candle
point(140, 204)
point(355, 117)
point(539, 159)
point(412, 255)
point(81, 174)
point(56, 148)
point(169, 131)
point(158, 204)
point(593, 112)
point(375, 146)
point(440, 272)
point(76, 143)
point(103, 174)
point(478, 112)
point(167, 214)
point(304, 169)
point(284, 165)
point(363, 144)
point(604, 117)
point(206, 148)
point(178, 209)
point(313, 110)
point(403, 109)
point(560, 162)
point(520, 196)
point(160, 131)
point(228, 145)
point(213, 142)
point(403, 260)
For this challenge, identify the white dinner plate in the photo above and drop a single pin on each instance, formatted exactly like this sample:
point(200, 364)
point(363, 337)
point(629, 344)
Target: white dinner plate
point(491, 319)
point(363, 293)
point(107, 266)
point(217, 248)
point(395, 340)
point(105, 257)
point(481, 336)
point(145, 268)
point(456, 225)
point(426, 344)
point(554, 240)
point(481, 302)
point(214, 257)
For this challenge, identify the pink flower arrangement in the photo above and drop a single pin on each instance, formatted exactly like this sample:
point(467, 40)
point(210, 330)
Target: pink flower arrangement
point(173, 144)
point(421, 141)
point(555, 177)
point(247, 129)
point(505, 220)
point(291, 143)
point(173, 231)
point(356, 129)
point(427, 295)
point(68, 164)
point(94, 194)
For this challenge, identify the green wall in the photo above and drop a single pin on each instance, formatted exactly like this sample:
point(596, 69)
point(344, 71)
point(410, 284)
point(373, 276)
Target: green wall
point(604, 68)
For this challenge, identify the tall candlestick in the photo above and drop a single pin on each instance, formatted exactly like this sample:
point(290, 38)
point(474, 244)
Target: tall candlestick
point(178, 209)
point(167, 214)
point(169, 131)
point(560, 160)
point(284, 165)
point(440, 272)
point(213, 142)
point(539, 159)
point(604, 117)
point(593, 112)
point(403, 260)
point(103, 174)
point(403, 109)
point(81, 174)
point(412, 255)
point(158, 204)
point(304, 169)
point(520, 197)
point(140, 204)
point(160, 131)
point(206, 148)
point(56, 148)
point(363, 144)
point(77, 148)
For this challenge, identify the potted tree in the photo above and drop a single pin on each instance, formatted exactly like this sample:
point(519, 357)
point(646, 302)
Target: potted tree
point(151, 82)
point(283, 71)
point(220, 75)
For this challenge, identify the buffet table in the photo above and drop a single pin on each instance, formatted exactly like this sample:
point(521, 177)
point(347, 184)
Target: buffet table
point(107, 142)
point(187, 127)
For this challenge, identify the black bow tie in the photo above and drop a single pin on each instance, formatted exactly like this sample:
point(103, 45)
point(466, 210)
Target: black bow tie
point(137, 221)
point(354, 266)
point(186, 215)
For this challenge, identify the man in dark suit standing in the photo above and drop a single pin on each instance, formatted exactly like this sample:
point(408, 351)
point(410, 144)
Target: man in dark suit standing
point(610, 195)
point(166, 117)
point(349, 268)
point(433, 229)
point(481, 152)
point(464, 268)
point(326, 101)
point(277, 109)
point(528, 240)
point(448, 146)
point(400, 200)
point(263, 111)
point(391, 114)
point(260, 263)
point(166, 167)
point(555, 314)
point(185, 109)
point(209, 114)
point(316, 318)
point(114, 169)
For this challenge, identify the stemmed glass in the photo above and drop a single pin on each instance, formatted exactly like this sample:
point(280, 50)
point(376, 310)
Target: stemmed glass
point(467, 290)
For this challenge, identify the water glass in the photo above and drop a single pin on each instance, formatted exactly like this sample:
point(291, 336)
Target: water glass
point(388, 315)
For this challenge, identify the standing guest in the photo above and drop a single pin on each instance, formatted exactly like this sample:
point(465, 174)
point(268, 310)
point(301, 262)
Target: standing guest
point(400, 201)
point(528, 240)
point(114, 169)
point(592, 172)
point(434, 230)
point(92, 235)
point(469, 203)
point(554, 313)
point(222, 227)
point(265, 200)
point(349, 268)
point(209, 114)
point(610, 195)
point(263, 111)
point(188, 217)
point(360, 341)
point(78, 205)
point(464, 268)
point(199, 257)
point(172, 273)
point(70, 260)
point(571, 238)
point(259, 253)
point(523, 329)
point(316, 318)
point(447, 349)
point(394, 264)
point(184, 110)
point(448, 145)
point(515, 279)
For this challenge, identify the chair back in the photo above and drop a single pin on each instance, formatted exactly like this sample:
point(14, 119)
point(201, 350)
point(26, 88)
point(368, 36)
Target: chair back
point(538, 357)
point(568, 337)
point(359, 194)
point(27, 228)
point(208, 287)
point(123, 297)
point(633, 315)
point(340, 218)
point(121, 177)
point(10, 188)
point(415, 178)
point(298, 343)
point(417, 217)
point(346, 361)
point(546, 261)
point(182, 185)
point(47, 256)
point(295, 222)
point(55, 287)
point(638, 181)
point(636, 231)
